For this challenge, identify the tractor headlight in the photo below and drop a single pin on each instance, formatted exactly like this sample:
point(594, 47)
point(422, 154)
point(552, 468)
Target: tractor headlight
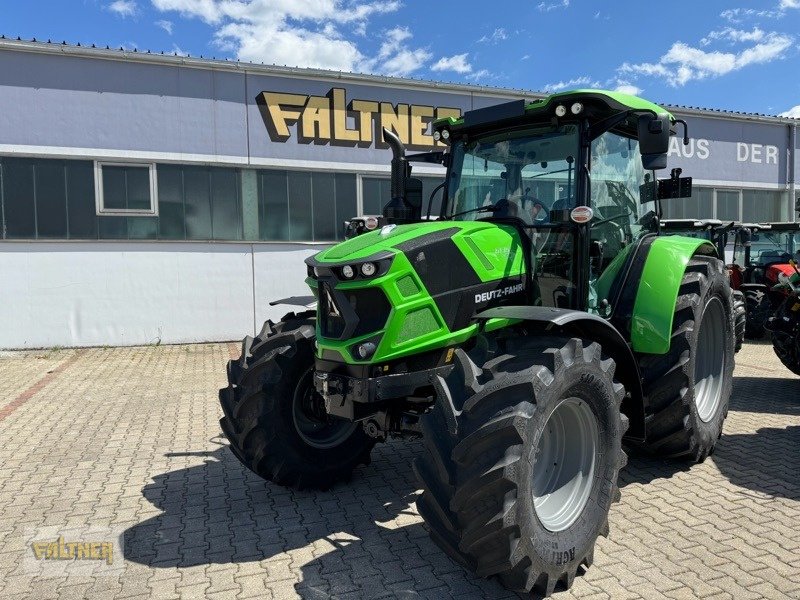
point(371, 223)
point(437, 136)
point(348, 272)
point(561, 110)
point(576, 108)
point(445, 134)
point(365, 350)
point(368, 269)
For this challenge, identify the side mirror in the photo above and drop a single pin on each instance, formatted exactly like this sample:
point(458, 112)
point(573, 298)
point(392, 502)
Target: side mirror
point(653, 136)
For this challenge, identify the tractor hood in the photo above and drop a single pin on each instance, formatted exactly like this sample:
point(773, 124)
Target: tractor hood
point(393, 238)
point(414, 288)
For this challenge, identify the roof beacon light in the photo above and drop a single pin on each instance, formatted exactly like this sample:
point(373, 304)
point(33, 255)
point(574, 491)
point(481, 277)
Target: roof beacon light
point(576, 108)
point(561, 110)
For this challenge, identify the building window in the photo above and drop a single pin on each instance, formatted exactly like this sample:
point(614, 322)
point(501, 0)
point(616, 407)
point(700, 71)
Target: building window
point(376, 192)
point(305, 206)
point(199, 203)
point(125, 189)
point(47, 199)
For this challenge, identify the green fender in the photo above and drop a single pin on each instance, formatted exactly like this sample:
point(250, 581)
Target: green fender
point(654, 308)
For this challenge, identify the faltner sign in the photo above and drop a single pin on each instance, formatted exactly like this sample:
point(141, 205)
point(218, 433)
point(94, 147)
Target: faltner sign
point(331, 119)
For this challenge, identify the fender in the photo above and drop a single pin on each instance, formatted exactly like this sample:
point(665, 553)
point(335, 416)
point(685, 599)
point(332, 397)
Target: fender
point(592, 327)
point(657, 292)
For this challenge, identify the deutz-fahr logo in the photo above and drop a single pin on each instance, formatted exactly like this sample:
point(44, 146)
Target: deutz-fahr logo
point(501, 293)
point(331, 119)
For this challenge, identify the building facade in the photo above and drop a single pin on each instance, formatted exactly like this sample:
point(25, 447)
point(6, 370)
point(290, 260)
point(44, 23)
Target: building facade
point(156, 199)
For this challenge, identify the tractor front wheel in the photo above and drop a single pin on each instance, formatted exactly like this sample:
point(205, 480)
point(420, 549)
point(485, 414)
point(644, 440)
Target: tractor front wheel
point(688, 389)
point(786, 334)
point(522, 462)
point(739, 318)
point(759, 309)
point(274, 419)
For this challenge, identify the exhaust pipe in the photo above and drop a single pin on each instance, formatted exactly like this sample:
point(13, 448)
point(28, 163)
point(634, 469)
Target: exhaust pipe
point(397, 209)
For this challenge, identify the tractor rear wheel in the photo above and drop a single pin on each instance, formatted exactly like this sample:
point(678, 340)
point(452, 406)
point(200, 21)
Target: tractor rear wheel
point(786, 335)
point(739, 318)
point(688, 389)
point(759, 309)
point(273, 417)
point(522, 462)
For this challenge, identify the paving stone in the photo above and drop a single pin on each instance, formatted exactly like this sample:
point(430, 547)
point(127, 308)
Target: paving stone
point(138, 446)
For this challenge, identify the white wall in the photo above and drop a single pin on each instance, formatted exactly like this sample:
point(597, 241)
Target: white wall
point(129, 293)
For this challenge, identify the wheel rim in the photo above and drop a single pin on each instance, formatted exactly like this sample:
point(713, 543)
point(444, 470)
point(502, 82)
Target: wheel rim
point(709, 362)
point(310, 421)
point(565, 463)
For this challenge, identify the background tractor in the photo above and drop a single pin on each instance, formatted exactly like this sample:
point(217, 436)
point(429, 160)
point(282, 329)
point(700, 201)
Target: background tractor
point(521, 339)
point(762, 253)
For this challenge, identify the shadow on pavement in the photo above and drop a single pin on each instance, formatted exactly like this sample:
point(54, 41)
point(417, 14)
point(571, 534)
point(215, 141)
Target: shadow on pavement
point(767, 394)
point(360, 537)
point(765, 462)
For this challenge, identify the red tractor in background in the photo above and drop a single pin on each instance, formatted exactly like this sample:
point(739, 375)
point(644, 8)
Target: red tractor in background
point(763, 252)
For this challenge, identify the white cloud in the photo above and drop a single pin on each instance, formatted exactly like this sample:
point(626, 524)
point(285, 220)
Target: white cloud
point(792, 113)
point(457, 63)
point(734, 36)
point(478, 76)
point(165, 25)
point(395, 58)
point(305, 33)
point(683, 63)
point(498, 35)
point(548, 6)
point(737, 15)
point(123, 8)
point(578, 82)
point(625, 87)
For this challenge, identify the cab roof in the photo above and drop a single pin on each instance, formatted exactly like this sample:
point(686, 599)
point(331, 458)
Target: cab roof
point(597, 104)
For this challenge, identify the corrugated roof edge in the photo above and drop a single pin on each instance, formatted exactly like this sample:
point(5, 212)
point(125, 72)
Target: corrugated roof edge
point(173, 59)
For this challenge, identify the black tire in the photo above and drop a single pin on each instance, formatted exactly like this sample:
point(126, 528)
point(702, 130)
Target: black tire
point(686, 406)
point(786, 335)
point(483, 461)
point(759, 309)
point(739, 318)
point(272, 418)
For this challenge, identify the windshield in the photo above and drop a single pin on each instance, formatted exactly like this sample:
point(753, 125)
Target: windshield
point(525, 174)
point(773, 246)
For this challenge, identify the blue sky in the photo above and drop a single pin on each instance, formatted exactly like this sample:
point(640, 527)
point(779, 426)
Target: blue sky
point(729, 54)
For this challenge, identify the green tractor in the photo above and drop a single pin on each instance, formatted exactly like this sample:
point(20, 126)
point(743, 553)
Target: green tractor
point(526, 334)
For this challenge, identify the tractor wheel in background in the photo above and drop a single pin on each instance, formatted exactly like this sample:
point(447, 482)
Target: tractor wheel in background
point(688, 389)
point(786, 335)
point(273, 417)
point(739, 318)
point(522, 461)
point(759, 310)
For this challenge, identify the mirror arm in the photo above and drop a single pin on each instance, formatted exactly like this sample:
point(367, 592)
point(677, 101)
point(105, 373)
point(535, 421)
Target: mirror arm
point(685, 131)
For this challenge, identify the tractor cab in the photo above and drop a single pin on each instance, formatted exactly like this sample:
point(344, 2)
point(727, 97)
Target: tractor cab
point(765, 250)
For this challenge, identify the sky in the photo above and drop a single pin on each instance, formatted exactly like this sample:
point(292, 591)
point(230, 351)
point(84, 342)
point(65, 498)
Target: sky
point(727, 54)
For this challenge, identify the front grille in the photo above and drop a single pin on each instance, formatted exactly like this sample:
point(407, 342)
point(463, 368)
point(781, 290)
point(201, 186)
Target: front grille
point(371, 307)
point(331, 317)
point(345, 314)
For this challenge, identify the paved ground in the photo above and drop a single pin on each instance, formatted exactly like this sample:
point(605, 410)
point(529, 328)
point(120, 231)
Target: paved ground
point(129, 438)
